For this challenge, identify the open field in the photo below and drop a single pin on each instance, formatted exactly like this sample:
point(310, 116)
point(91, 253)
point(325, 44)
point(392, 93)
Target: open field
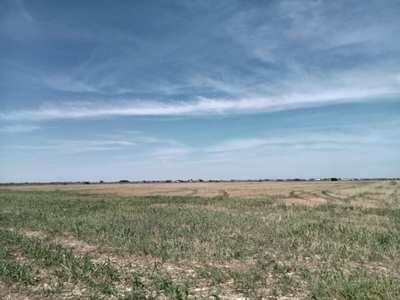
point(242, 240)
point(365, 193)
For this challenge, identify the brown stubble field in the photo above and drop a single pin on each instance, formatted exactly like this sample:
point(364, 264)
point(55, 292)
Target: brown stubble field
point(365, 193)
point(201, 240)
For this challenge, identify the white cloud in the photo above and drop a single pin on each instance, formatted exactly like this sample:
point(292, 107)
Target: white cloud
point(293, 29)
point(303, 140)
point(238, 144)
point(78, 146)
point(170, 152)
point(326, 93)
point(19, 128)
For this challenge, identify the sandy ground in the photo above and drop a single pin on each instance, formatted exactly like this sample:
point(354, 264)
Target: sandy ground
point(366, 193)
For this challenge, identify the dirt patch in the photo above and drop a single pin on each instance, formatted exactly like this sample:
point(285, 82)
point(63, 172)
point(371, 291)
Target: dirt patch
point(34, 234)
point(78, 247)
point(11, 293)
point(66, 240)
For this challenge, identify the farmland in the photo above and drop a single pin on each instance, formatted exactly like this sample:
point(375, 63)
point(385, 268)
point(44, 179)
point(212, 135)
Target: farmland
point(227, 240)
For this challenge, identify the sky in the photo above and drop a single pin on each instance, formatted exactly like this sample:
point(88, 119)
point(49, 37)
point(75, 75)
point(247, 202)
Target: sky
point(157, 90)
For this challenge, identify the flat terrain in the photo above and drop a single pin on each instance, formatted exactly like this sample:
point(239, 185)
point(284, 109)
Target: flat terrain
point(365, 193)
point(227, 240)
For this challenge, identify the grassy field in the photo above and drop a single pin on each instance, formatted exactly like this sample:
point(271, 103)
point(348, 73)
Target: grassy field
point(278, 241)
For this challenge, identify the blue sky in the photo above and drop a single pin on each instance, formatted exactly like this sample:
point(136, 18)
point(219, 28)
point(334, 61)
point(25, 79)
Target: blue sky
point(155, 90)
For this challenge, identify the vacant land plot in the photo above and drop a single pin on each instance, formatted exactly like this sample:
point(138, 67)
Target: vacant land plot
point(297, 240)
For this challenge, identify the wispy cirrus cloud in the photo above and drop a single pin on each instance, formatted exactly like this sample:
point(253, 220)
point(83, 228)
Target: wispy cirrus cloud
point(285, 31)
point(334, 93)
point(17, 21)
point(68, 84)
point(77, 146)
point(305, 141)
point(234, 93)
point(168, 152)
point(201, 106)
point(19, 128)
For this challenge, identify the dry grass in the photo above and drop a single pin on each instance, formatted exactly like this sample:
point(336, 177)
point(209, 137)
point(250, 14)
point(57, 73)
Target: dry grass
point(365, 193)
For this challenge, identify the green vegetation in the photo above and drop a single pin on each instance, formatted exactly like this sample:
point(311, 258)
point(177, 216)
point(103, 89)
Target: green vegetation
point(86, 246)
